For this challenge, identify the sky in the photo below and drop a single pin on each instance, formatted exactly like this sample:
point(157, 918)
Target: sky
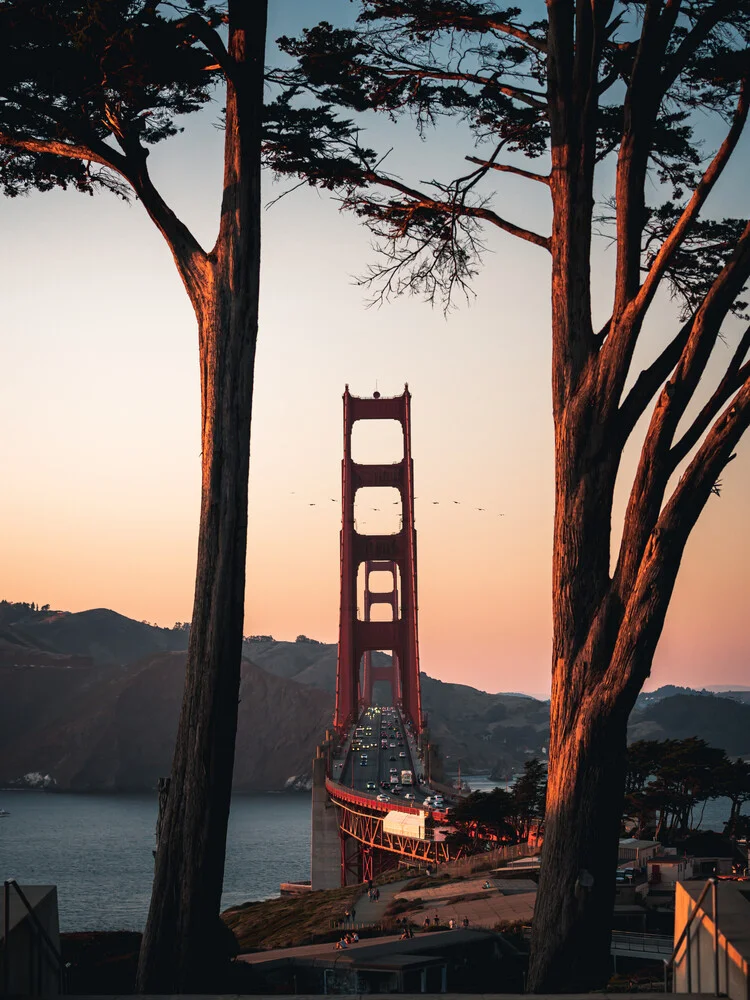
point(99, 403)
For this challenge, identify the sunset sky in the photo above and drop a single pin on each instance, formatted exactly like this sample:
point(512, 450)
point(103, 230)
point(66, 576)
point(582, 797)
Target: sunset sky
point(99, 403)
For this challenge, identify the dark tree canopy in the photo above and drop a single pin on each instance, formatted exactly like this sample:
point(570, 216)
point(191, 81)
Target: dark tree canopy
point(112, 77)
point(482, 65)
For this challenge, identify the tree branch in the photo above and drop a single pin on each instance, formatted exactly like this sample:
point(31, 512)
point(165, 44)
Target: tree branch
point(189, 256)
point(191, 259)
point(507, 168)
point(655, 465)
point(735, 375)
point(486, 22)
point(529, 97)
point(70, 150)
point(212, 41)
point(647, 383)
point(699, 479)
point(669, 247)
point(704, 24)
point(421, 200)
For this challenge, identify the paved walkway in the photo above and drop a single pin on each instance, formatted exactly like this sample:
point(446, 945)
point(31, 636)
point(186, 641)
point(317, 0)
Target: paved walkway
point(367, 911)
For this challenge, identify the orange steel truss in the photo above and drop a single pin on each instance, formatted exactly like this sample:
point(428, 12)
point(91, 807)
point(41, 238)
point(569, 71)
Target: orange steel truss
point(366, 826)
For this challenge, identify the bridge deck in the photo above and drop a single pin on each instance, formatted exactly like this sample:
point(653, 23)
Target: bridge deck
point(367, 762)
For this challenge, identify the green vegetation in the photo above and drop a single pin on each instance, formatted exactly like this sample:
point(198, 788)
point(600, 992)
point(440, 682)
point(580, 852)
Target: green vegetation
point(502, 815)
point(668, 783)
point(290, 920)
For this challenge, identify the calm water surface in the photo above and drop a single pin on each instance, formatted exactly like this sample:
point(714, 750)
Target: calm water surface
point(97, 850)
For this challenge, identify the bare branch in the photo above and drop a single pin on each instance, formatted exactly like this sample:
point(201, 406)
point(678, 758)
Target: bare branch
point(189, 256)
point(212, 41)
point(421, 200)
point(736, 374)
point(486, 22)
point(69, 150)
point(641, 302)
point(529, 97)
point(507, 168)
point(655, 465)
point(711, 15)
point(716, 451)
point(648, 382)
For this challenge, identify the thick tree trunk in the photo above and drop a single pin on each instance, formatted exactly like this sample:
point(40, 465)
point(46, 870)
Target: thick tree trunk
point(573, 916)
point(184, 944)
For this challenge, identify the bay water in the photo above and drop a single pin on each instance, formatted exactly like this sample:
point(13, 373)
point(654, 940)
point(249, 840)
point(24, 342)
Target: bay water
point(97, 850)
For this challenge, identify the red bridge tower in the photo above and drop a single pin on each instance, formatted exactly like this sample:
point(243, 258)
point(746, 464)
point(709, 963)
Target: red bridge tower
point(397, 554)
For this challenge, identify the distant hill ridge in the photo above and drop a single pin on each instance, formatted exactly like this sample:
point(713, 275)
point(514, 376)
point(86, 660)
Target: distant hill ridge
point(91, 698)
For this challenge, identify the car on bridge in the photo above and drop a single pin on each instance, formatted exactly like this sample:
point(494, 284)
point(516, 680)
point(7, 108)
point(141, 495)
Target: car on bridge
point(384, 798)
point(371, 786)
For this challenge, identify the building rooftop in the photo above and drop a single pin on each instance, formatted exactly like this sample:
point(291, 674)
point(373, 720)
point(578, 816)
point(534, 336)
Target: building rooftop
point(371, 949)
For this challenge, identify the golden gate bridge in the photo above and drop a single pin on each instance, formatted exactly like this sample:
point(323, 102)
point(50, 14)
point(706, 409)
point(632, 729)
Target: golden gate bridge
point(372, 807)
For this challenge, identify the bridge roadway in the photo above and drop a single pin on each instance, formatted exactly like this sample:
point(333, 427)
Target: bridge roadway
point(379, 743)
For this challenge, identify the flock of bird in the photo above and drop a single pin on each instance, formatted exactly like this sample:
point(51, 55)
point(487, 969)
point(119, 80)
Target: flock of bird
point(397, 503)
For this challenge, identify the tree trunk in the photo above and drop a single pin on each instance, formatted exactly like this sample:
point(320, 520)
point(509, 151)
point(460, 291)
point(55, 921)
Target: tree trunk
point(573, 916)
point(184, 944)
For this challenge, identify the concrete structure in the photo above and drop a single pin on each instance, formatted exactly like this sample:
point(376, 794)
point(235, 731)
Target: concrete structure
point(714, 953)
point(30, 962)
point(325, 864)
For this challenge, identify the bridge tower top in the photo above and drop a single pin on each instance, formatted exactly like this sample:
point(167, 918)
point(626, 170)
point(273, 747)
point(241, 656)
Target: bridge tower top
point(359, 636)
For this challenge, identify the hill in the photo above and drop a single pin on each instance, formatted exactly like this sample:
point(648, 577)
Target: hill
point(102, 636)
point(721, 721)
point(115, 730)
point(92, 699)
